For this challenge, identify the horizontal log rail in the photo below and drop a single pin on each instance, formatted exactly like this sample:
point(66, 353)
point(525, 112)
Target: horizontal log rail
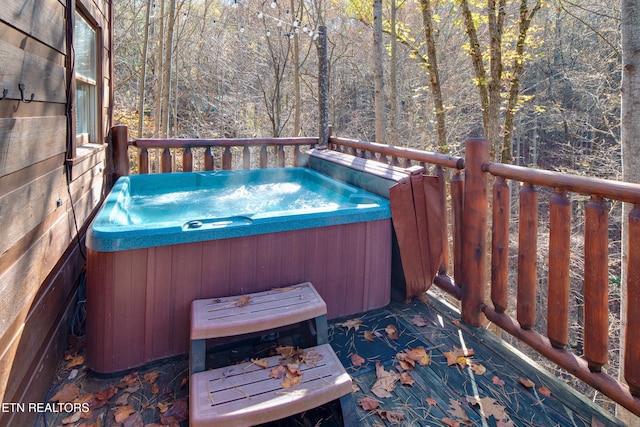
point(554, 344)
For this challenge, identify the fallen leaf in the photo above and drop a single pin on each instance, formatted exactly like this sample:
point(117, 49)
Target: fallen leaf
point(405, 379)
point(431, 401)
point(526, 382)
point(419, 355)
point(243, 300)
point(291, 380)
point(135, 420)
point(123, 412)
point(392, 332)
point(497, 381)
point(545, 391)
point(178, 412)
point(163, 407)
point(131, 379)
point(450, 422)
point(368, 335)
point(357, 360)
point(419, 320)
point(66, 394)
point(385, 383)
point(72, 418)
point(151, 377)
point(123, 399)
point(184, 382)
point(393, 417)
point(489, 407)
point(311, 358)
point(106, 394)
point(155, 389)
point(476, 367)
point(262, 363)
point(458, 357)
point(405, 362)
point(278, 372)
point(76, 360)
point(368, 403)
point(457, 411)
point(287, 351)
point(351, 323)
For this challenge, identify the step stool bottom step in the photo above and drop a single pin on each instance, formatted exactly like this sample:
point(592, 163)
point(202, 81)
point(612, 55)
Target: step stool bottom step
point(247, 394)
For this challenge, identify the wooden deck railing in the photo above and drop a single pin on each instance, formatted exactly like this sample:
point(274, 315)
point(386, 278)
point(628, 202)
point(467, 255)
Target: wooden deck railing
point(466, 235)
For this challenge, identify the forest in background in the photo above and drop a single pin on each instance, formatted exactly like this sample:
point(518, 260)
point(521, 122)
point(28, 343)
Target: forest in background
point(236, 68)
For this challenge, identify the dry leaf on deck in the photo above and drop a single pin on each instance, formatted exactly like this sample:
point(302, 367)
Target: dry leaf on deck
point(291, 379)
point(497, 381)
point(419, 320)
point(419, 355)
point(351, 323)
point(262, 363)
point(489, 407)
point(66, 394)
point(75, 360)
point(244, 300)
point(151, 377)
point(456, 411)
point(451, 422)
point(357, 360)
point(392, 332)
point(458, 357)
point(287, 351)
point(393, 417)
point(405, 362)
point(178, 412)
point(405, 379)
point(431, 401)
point(368, 403)
point(368, 335)
point(123, 412)
point(385, 383)
point(476, 367)
point(545, 391)
point(72, 418)
point(135, 420)
point(527, 382)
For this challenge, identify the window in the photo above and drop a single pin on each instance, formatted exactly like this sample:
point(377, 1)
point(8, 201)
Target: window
point(86, 82)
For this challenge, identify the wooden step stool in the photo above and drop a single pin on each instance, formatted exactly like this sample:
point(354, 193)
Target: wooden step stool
point(262, 398)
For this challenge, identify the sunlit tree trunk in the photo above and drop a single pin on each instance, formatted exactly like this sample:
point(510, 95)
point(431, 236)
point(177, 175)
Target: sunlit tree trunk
point(166, 78)
point(143, 70)
point(630, 138)
point(393, 78)
point(378, 72)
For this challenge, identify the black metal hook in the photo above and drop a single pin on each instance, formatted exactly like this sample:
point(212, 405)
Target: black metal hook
point(4, 94)
point(21, 87)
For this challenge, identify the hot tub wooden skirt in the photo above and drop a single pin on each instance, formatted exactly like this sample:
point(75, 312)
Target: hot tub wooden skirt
point(138, 300)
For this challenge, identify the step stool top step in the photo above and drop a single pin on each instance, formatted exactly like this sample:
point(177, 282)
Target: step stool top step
point(246, 394)
point(261, 311)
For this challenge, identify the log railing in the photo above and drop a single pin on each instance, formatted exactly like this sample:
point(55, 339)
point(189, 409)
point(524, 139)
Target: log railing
point(553, 343)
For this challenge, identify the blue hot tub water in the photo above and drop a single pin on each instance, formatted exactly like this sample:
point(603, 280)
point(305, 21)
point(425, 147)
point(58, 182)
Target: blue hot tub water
point(163, 209)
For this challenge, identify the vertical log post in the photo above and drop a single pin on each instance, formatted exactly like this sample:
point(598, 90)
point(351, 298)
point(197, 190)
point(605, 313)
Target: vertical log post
point(475, 216)
point(632, 340)
point(187, 160)
point(208, 159)
point(444, 265)
point(559, 279)
point(120, 140)
point(500, 245)
point(457, 196)
point(143, 161)
point(263, 157)
point(527, 256)
point(226, 159)
point(323, 88)
point(165, 161)
point(596, 284)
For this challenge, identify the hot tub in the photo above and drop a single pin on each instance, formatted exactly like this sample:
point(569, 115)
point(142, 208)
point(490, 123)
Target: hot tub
point(161, 241)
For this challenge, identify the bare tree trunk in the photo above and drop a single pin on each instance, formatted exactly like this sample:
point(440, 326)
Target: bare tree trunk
point(378, 72)
point(394, 76)
point(434, 76)
point(296, 73)
point(143, 70)
point(630, 138)
point(166, 78)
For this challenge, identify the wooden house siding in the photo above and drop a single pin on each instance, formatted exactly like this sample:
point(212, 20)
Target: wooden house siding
point(48, 192)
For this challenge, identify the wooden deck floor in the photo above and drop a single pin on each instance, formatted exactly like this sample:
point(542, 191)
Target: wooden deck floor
point(489, 391)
